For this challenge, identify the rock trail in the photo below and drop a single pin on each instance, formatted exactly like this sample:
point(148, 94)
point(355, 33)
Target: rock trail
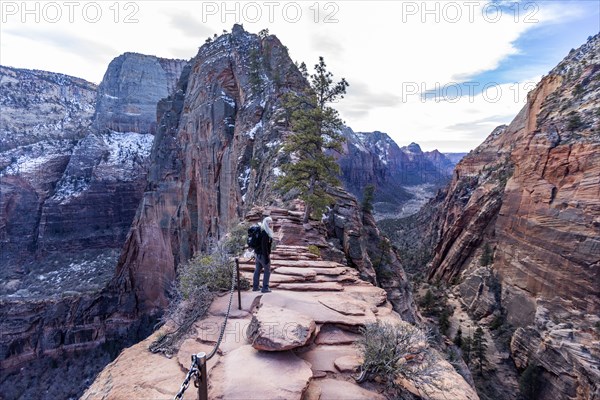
point(297, 342)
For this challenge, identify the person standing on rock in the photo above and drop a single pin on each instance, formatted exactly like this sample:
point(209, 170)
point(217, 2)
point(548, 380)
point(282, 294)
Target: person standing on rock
point(263, 256)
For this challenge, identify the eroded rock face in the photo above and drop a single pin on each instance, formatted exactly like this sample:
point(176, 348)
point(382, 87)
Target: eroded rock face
point(370, 253)
point(72, 182)
point(213, 154)
point(132, 85)
point(70, 186)
point(103, 183)
point(43, 116)
point(531, 192)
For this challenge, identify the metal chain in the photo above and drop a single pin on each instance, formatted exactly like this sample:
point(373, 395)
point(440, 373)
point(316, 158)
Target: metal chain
point(214, 351)
point(194, 372)
point(186, 382)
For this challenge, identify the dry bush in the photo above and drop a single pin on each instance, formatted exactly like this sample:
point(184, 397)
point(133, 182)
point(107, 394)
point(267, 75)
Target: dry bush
point(192, 293)
point(398, 351)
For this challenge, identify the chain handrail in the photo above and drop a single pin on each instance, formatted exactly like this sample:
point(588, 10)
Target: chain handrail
point(194, 371)
point(222, 333)
point(186, 382)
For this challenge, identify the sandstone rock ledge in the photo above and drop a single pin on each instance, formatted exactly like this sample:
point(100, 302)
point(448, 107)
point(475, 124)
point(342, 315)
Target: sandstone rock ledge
point(294, 343)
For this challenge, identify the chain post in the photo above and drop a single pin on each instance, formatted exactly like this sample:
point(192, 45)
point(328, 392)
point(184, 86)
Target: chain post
point(237, 267)
point(202, 376)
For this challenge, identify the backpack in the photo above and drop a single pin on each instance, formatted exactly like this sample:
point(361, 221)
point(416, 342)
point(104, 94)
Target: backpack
point(254, 237)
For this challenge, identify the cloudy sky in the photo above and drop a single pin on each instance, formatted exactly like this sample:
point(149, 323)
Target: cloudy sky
point(440, 73)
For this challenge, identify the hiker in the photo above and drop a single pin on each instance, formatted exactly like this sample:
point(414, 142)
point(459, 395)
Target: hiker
point(263, 256)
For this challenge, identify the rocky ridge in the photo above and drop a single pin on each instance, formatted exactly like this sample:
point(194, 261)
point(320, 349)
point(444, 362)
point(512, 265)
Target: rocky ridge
point(215, 152)
point(303, 333)
point(530, 193)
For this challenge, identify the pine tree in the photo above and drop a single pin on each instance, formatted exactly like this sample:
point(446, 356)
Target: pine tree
point(428, 302)
point(368, 197)
point(479, 349)
point(529, 382)
point(458, 339)
point(315, 129)
point(444, 321)
point(255, 79)
point(487, 257)
point(466, 348)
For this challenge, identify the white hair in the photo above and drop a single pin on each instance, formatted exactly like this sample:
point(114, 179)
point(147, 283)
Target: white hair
point(266, 226)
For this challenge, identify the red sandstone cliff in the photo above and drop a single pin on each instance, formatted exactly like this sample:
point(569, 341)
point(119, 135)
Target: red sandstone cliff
point(532, 192)
point(214, 154)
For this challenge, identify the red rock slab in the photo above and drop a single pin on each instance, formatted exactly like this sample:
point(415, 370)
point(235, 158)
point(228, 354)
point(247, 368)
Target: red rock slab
point(208, 330)
point(276, 278)
point(308, 264)
point(219, 305)
point(332, 389)
point(335, 278)
point(336, 336)
point(276, 328)
point(313, 392)
point(311, 287)
point(307, 303)
point(138, 374)
point(192, 346)
point(292, 247)
point(250, 374)
point(349, 363)
point(369, 293)
point(330, 271)
point(322, 358)
point(344, 305)
point(306, 273)
point(247, 266)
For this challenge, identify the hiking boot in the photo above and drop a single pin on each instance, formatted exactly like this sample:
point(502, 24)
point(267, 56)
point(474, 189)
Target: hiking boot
point(267, 290)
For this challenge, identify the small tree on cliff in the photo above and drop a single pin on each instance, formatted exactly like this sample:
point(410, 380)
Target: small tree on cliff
point(368, 197)
point(479, 349)
point(315, 129)
point(487, 257)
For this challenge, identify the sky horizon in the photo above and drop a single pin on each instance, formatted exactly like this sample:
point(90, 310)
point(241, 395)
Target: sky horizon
point(442, 74)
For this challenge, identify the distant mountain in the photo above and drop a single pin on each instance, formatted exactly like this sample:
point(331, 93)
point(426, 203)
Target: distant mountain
point(455, 157)
point(401, 175)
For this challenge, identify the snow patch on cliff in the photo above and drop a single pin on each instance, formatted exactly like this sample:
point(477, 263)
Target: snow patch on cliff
point(252, 133)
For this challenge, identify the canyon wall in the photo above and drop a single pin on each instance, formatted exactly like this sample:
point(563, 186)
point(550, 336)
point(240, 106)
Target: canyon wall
point(530, 194)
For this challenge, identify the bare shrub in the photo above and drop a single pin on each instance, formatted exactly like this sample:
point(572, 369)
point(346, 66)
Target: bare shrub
point(398, 351)
point(193, 291)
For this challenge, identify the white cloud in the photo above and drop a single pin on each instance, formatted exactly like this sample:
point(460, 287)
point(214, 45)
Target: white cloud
point(378, 46)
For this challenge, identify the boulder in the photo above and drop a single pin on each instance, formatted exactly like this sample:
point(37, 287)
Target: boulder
point(277, 329)
point(247, 373)
point(332, 389)
point(348, 363)
point(322, 358)
point(332, 335)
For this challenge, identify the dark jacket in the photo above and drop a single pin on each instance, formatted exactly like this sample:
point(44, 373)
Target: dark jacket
point(265, 245)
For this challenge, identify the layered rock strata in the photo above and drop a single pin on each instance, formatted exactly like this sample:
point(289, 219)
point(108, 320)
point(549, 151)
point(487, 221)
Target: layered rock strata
point(527, 201)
